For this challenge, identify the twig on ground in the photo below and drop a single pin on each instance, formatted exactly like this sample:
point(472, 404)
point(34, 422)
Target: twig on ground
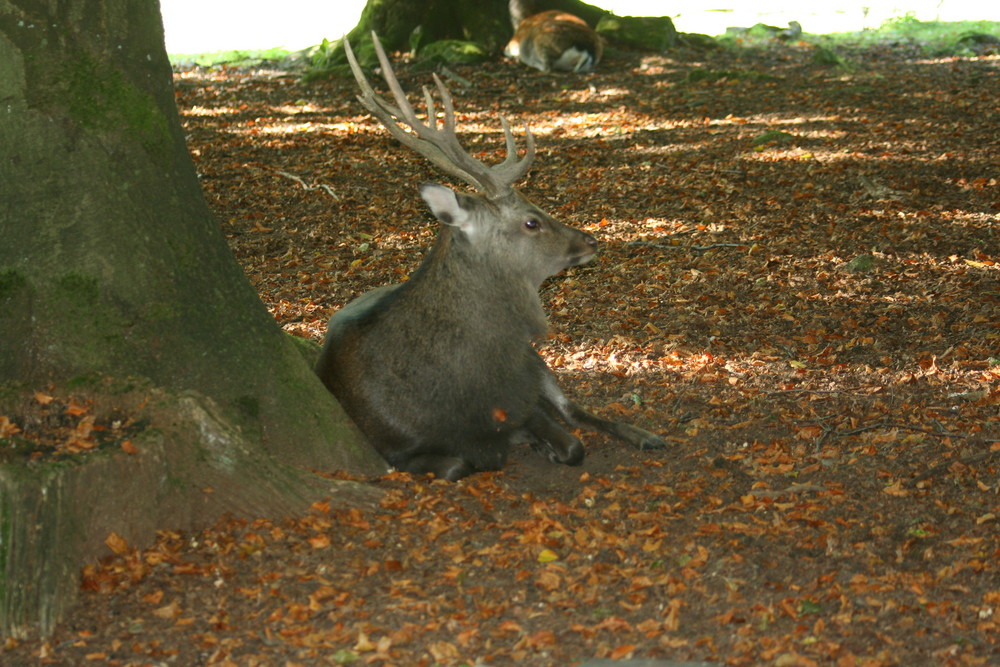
point(461, 80)
point(699, 248)
point(879, 192)
point(306, 186)
point(794, 488)
point(939, 433)
point(942, 467)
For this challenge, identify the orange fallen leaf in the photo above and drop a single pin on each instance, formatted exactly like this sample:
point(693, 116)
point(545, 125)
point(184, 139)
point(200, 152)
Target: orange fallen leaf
point(896, 489)
point(116, 543)
point(319, 542)
point(444, 652)
point(623, 651)
point(541, 639)
point(8, 428)
point(83, 430)
point(549, 580)
point(321, 506)
point(129, 448)
point(156, 597)
point(671, 620)
point(809, 432)
point(168, 611)
point(363, 645)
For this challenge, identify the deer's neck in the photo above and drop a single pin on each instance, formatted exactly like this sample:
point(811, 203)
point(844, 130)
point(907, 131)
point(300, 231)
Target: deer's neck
point(486, 292)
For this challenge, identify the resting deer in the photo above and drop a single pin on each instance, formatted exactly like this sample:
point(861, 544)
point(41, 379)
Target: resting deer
point(439, 372)
point(555, 40)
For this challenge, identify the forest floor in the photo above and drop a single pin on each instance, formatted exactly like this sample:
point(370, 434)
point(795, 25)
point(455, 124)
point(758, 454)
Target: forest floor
point(798, 287)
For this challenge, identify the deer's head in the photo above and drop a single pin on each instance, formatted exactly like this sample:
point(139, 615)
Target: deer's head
point(497, 224)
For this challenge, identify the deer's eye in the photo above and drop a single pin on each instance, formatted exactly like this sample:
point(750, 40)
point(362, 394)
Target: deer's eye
point(532, 224)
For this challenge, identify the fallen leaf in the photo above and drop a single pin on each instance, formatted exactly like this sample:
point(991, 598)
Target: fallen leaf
point(116, 543)
point(171, 610)
point(896, 489)
point(319, 542)
point(7, 427)
point(75, 409)
point(547, 556)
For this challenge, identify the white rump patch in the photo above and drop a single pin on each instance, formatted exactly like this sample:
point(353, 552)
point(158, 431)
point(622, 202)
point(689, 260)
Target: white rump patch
point(574, 60)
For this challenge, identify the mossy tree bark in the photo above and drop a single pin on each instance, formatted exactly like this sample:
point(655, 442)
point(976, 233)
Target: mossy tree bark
point(112, 266)
point(486, 23)
point(521, 9)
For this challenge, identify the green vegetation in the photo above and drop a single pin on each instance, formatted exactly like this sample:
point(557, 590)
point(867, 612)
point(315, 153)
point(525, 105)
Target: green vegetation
point(329, 57)
point(452, 51)
point(238, 58)
point(10, 281)
point(936, 38)
point(957, 38)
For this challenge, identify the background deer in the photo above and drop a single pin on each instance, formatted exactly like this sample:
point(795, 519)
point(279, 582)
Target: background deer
point(555, 40)
point(439, 372)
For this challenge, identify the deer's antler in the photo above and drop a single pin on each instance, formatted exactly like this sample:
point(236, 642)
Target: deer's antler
point(439, 145)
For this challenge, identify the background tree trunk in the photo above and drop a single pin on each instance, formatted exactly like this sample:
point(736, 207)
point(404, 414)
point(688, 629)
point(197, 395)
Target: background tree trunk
point(487, 23)
point(522, 9)
point(111, 265)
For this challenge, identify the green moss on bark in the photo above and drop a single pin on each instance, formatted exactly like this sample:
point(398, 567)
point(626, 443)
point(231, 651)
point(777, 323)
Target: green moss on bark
point(11, 282)
point(100, 98)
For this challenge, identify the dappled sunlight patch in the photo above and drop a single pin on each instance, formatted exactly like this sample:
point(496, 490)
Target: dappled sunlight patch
point(200, 111)
point(612, 123)
point(658, 150)
point(291, 127)
point(762, 154)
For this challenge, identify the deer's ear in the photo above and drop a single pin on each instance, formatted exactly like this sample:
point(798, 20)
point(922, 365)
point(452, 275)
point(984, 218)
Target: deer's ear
point(445, 206)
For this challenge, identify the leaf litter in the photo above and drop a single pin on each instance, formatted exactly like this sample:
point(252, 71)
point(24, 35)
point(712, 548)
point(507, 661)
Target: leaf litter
point(797, 287)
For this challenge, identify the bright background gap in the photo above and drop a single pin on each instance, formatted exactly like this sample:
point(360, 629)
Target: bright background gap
point(196, 26)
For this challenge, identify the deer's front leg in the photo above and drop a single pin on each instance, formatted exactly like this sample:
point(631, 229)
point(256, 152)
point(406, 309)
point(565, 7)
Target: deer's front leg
point(547, 437)
point(576, 416)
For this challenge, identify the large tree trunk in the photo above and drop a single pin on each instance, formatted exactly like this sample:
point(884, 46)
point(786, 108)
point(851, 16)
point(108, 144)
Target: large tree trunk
point(112, 266)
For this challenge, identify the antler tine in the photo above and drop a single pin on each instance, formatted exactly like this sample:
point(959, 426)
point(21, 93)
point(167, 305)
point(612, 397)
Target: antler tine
point(407, 115)
point(372, 101)
point(369, 98)
point(446, 103)
point(440, 145)
point(505, 174)
point(512, 168)
point(431, 108)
